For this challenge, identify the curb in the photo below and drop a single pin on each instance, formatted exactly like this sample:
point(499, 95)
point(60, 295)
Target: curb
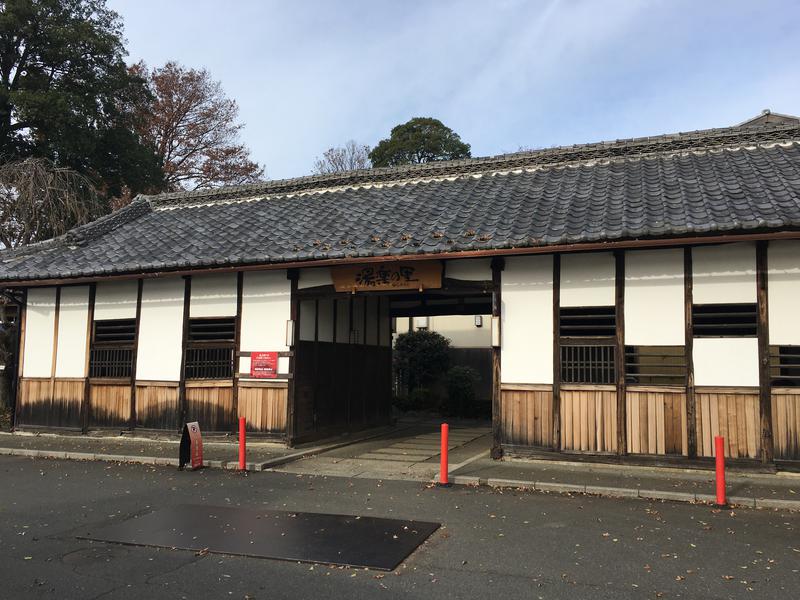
point(618, 492)
point(173, 462)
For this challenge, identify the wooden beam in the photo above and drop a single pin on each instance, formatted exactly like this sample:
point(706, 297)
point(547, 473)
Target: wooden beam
point(182, 403)
point(619, 351)
point(498, 264)
point(87, 387)
point(135, 352)
point(544, 249)
point(556, 352)
point(691, 397)
point(764, 382)
point(237, 339)
point(291, 395)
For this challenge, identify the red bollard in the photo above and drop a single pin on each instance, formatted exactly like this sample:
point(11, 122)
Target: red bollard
point(242, 444)
point(719, 451)
point(443, 479)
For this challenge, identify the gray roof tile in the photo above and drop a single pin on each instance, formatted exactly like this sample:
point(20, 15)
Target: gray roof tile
point(725, 180)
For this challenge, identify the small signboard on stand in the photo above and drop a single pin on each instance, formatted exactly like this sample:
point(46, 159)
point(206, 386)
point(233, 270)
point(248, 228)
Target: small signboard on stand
point(191, 449)
point(264, 365)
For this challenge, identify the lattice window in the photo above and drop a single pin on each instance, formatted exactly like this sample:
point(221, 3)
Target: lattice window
point(655, 365)
point(725, 320)
point(111, 354)
point(210, 352)
point(587, 339)
point(590, 363)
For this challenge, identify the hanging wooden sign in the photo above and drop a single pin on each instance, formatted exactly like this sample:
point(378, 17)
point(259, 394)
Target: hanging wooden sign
point(388, 276)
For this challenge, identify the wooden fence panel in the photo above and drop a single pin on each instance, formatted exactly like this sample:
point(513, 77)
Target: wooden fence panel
point(263, 407)
point(210, 405)
point(732, 414)
point(526, 416)
point(109, 405)
point(589, 419)
point(50, 403)
point(157, 405)
point(656, 422)
point(786, 423)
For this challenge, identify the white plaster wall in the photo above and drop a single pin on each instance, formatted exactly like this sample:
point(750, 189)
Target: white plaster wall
point(726, 361)
point(308, 314)
point(161, 330)
point(783, 281)
point(325, 331)
point(213, 295)
point(73, 319)
point(527, 320)
point(654, 298)
point(40, 320)
point(724, 274)
point(461, 330)
point(342, 321)
point(371, 337)
point(115, 300)
point(587, 279)
point(314, 277)
point(469, 269)
point(266, 305)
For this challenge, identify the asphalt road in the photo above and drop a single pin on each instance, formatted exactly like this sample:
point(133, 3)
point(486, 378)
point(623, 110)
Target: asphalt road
point(493, 544)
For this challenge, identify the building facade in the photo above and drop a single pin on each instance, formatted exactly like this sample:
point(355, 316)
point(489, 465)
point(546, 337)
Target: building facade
point(640, 297)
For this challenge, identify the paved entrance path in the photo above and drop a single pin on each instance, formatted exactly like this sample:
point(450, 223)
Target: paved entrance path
point(411, 452)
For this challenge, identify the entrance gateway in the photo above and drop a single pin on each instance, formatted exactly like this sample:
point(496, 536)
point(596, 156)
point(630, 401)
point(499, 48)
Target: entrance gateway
point(343, 346)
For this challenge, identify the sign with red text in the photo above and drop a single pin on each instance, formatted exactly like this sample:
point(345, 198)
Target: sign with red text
point(264, 365)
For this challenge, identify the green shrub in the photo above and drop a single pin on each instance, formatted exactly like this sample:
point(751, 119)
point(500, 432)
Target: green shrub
point(461, 400)
point(420, 358)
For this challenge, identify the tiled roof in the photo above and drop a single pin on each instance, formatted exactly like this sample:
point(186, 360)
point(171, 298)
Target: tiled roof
point(730, 180)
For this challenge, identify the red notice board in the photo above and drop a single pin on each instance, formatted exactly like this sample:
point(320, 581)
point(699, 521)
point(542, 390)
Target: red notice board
point(264, 365)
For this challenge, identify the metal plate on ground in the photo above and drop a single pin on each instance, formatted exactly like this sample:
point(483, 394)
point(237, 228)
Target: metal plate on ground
point(307, 537)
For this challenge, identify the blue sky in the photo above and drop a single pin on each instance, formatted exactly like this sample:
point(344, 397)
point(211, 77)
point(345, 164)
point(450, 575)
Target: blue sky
point(502, 73)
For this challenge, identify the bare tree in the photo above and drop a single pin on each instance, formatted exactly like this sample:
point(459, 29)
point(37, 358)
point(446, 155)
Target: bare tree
point(349, 157)
point(39, 200)
point(193, 127)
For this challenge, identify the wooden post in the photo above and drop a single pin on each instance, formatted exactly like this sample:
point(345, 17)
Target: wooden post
point(619, 351)
point(497, 269)
point(294, 315)
point(135, 352)
point(23, 315)
point(54, 357)
point(556, 352)
point(691, 399)
point(764, 383)
point(237, 337)
point(182, 403)
point(87, 386)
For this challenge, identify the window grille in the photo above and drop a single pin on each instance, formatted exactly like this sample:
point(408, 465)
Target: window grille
point(210, 352)
point(590, 363)
point(111, 354)
point(725, 320)
point(655, 365)
point(784, 366)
